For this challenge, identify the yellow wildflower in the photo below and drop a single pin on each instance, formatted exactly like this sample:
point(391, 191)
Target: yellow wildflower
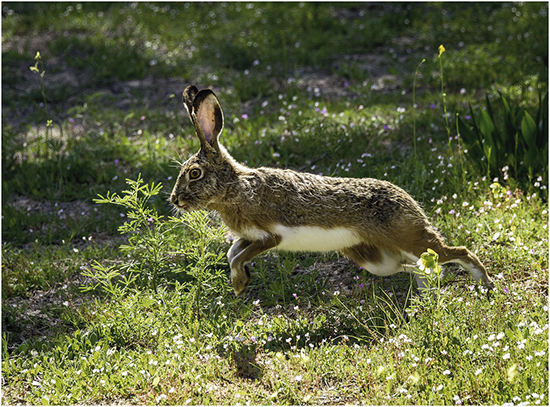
point(512, 372)
point(414, 378)
point(441, 50)
point(428, 262)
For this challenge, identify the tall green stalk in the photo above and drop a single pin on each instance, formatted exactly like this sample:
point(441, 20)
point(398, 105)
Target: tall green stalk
point(414, 106)
point(443, 94)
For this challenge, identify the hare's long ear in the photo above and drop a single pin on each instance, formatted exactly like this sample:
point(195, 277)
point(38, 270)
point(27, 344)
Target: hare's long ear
point(206, 114)
point(210, 116)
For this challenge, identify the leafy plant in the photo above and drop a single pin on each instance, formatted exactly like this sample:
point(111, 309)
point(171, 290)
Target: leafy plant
point(159, 249)
point(512, 138)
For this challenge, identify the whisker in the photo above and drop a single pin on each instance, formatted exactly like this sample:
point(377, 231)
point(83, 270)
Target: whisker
point(177, 163)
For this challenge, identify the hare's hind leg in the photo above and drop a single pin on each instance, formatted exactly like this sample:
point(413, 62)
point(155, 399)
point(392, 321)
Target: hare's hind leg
point(466, 259)
point(380, 262)
point(383, 262)
point(458, 254)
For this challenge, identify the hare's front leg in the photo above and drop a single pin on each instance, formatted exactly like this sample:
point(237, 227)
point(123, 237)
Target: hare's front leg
point(238, 246)
point(241, 253)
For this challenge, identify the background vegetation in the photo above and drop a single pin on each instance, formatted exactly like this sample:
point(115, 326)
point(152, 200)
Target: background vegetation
point(112, 299)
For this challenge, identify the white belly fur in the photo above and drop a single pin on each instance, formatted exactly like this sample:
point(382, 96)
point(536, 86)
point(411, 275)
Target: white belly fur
point(314, 238)
point(317, 239)
point(391, 263)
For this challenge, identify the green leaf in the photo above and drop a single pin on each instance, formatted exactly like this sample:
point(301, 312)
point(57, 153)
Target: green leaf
point(510, 334)
point(486, 125)
point(472, 140)
point(507, 111)
point(128, 117)
point(473, 116)
point(490, 147)
point(465, 131)
point(512, 159)
point(532, 157)
point(518, 117)
point(489, 108)
point(529, 131)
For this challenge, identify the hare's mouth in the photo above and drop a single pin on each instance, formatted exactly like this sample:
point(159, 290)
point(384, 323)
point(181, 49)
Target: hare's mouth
point(180, 204)
point(183, 206)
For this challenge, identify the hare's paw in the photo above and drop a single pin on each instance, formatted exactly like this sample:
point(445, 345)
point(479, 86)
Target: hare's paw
point(240, 278)
point(240, 255)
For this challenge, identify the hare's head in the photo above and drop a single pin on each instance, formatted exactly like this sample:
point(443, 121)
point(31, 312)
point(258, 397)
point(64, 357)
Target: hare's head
point(203, 177)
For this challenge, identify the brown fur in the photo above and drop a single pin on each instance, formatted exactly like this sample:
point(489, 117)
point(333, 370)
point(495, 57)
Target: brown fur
point(252, 202)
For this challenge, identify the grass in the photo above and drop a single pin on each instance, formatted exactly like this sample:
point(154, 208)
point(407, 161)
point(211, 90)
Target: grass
point(114, 300)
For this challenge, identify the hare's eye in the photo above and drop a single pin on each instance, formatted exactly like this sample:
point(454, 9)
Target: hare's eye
point(194, 173)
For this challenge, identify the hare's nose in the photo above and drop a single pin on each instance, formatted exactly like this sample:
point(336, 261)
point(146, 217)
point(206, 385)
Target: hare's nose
point(174, 198)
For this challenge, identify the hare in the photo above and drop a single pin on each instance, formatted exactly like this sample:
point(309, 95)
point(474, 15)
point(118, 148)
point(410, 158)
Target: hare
point(373, 222)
